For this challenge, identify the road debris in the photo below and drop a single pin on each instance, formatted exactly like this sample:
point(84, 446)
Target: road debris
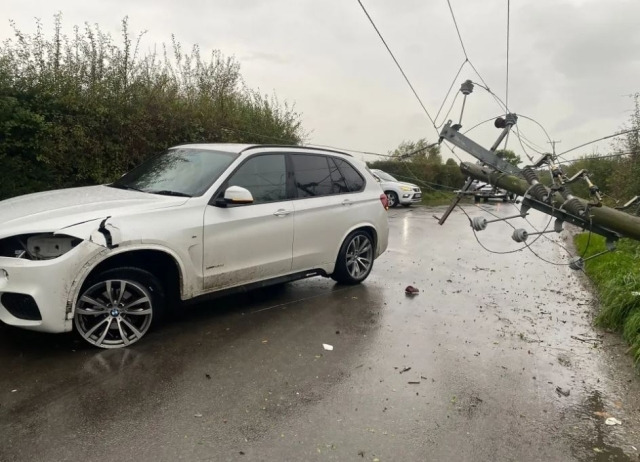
point(327, 347)
point(410, 290)
point(562, 392)
point(586, 340)
point(612, 421)
point(406, 369)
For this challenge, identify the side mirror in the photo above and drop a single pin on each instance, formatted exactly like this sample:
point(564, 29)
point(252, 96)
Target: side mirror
point(235, 195)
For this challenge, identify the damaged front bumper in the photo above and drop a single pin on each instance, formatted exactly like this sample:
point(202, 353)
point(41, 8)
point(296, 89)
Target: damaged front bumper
point(38, 294)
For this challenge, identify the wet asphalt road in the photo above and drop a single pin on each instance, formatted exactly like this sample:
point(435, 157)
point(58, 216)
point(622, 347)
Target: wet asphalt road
point(465, 371)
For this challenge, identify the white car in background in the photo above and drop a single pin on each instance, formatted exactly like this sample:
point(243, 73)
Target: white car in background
point(194, 221)
point(398, 192)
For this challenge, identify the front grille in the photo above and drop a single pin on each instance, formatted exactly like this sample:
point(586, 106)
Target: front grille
point(21, 306)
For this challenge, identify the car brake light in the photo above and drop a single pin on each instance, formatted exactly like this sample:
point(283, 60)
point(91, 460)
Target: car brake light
point(385, 202)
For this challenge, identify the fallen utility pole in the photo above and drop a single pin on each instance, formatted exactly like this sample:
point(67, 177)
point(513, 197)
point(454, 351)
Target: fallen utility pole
point(602, 220)
point(556, 200)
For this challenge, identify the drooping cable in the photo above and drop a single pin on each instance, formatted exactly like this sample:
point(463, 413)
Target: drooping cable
point(398, 64)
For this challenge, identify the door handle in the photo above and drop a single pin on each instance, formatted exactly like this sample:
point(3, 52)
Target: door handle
point(282, 212)
point(347, 202)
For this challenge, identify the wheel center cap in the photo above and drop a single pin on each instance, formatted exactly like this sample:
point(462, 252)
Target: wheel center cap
point(115, 312)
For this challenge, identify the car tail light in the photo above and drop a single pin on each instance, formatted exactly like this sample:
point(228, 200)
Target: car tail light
point(385, 201)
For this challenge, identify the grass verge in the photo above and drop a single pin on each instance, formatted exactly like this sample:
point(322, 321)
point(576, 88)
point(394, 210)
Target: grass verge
point(433, 198)
point(616, 277)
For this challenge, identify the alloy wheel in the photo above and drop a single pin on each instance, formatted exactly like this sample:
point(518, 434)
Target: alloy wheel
point(359, 256)
point(114, 313)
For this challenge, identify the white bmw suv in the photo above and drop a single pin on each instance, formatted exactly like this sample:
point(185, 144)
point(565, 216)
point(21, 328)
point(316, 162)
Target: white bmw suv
point(195, 220)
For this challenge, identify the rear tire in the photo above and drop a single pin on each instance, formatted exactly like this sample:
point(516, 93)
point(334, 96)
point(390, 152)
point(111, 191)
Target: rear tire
point(117, 307)
point(355, 259)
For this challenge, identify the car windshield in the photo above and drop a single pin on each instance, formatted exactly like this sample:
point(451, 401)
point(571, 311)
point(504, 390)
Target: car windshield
point(384, 175)
point(177, 172)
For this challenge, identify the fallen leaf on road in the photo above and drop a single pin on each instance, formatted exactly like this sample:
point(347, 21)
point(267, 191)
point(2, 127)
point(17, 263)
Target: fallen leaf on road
point(327, 347)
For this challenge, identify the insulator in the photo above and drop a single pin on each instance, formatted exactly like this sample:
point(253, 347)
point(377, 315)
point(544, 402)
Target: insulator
point(539, 192)
point(520, 235)
point(511, 119)
point(576, 263)
point(466, 87)
point(479, 223)
point(575, 207)
point(500, 123)
point(530, 175)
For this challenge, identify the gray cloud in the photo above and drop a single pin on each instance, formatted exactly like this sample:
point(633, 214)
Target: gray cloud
point(571, 60)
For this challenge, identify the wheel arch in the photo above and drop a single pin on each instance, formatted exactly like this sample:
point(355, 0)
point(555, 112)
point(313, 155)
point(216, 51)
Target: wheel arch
point(367, 227)
point(161, 262)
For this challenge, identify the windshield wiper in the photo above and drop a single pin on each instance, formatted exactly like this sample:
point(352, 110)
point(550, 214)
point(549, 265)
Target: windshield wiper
point(166, 192)
point(123, 186)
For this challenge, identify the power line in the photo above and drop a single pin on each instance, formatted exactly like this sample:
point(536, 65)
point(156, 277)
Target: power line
point(508, 26)
point(599, 139)
point(596, 157)
point(453, 82)
point(455, 23)
point(350, 150)
point(397, 64)
point(486, 88)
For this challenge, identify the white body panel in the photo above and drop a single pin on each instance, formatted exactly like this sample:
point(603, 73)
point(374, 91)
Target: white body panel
point(214, 248)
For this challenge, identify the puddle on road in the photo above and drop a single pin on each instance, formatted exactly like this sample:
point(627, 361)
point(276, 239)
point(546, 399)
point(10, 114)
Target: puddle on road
point(591, 439)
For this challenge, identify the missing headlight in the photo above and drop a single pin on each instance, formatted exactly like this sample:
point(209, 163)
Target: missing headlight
point(37, 246)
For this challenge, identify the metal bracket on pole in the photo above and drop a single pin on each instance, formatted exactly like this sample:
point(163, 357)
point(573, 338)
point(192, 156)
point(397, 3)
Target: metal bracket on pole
point(452, 135)
point(529, 202)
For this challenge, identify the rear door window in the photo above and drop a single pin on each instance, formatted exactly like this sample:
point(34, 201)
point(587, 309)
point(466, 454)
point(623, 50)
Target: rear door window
point(312, 175)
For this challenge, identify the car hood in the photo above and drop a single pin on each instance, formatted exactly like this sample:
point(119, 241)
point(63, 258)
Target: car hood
point(52, 210)
point(411, 185)
point(400, 183)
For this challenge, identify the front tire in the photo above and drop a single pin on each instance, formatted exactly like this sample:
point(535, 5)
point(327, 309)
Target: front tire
point(355, 259)
point(116, 308)
point(392, 199)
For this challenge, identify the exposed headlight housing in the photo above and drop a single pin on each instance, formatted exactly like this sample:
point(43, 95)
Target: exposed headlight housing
point(42, 246)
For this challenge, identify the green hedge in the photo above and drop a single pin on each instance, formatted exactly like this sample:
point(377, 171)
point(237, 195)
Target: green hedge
point(83, 109)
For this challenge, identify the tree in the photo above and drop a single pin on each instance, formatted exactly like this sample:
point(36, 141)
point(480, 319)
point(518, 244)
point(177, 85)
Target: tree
point(509, 156)
point(418, 151)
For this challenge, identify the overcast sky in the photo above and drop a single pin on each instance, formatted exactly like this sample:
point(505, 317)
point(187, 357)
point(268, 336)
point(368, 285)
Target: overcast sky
point(573, 63)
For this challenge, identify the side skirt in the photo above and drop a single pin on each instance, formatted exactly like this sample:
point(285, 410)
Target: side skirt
point(256, 285)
